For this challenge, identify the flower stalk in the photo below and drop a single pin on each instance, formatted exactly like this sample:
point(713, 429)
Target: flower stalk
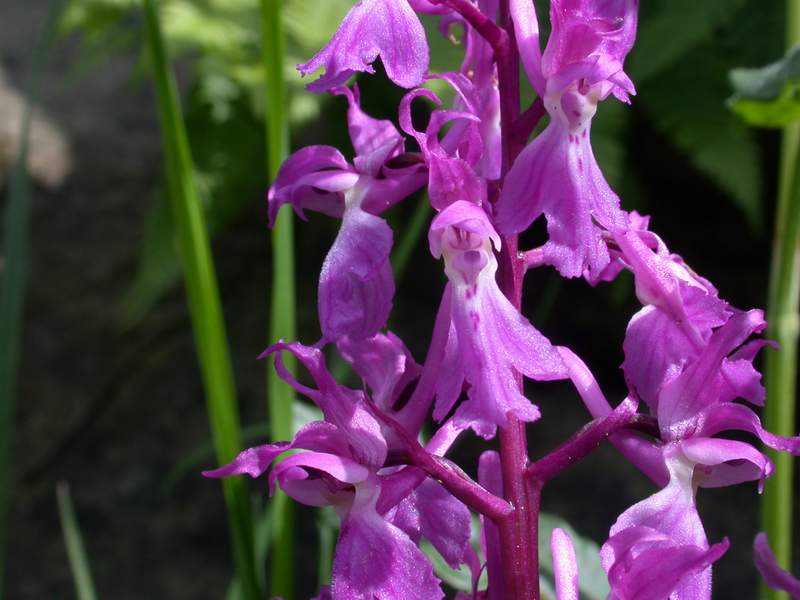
point(780, 371)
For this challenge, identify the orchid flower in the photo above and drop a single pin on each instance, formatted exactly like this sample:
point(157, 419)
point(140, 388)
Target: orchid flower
point(687, 356)
point(488, 339)
point(344, 467)
point(356, 284)
point(557, 175)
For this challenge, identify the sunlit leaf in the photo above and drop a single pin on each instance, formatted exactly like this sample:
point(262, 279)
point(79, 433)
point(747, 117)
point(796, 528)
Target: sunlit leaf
point(768, 96)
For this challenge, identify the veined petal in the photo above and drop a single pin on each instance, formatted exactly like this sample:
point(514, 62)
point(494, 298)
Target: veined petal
point(701, 383)
point(558, 176)
point(432, 512)
point(493, 339)
point(386, 28)
point(374, 140)
point(315, 178)
point(584, 28)
point(775, 577)
point(384, 363)
point(341, 406)
point(375, 559)
point(356, 286)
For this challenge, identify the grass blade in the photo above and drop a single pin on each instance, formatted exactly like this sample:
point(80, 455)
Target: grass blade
point(76, 553)
point(780, 372)
point(203, 299)
point(282, 316)
point(412, 232)
point(12, 291)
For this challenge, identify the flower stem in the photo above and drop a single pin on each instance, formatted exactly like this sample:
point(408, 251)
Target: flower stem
point(282, 324)
point(782, 313)
point(519, 534)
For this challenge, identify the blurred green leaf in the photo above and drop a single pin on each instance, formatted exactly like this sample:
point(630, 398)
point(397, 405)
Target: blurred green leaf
point(76, 553)
point(768, 96)
point(669, 29)
point(13, 272)
point(694, 119)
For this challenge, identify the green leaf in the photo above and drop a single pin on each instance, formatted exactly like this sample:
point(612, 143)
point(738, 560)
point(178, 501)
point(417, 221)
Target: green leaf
point(76, 553)
point(672, 29)
point(768, 96)
point(203, 300)
point(593, 581)
point(694, 118)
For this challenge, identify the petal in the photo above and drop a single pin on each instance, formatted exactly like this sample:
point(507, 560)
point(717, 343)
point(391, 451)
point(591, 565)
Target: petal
point(313, 178)
point(356, 284)
point(716, 419)
point(463, 215)
point(702, 384)
point(558, 176)
point(341, 406)
point(526, 32)
point(253, 461)
point(775, 577)
point(384, 363)
point(583, 28)
point(341, 468)
point(565, 565)
point(386, 28)
point(392, 186)
point(726, 462)
point(432, 512)
point(658, 548)
point(375, 559)
point(374, 140)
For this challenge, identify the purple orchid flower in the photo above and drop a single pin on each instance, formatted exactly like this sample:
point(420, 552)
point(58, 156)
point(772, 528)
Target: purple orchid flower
point(557, 175)
point(767, 565)
point(488, 338)
point(658, 547)
point(356, 284)
point(384, 510)
point(688, 357)
point(386, 28)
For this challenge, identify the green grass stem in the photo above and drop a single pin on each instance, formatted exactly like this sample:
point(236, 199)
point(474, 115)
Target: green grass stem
point(782, 312)
point(76, 553)
point(204, 303)
point(283, 319)
point(15, 258)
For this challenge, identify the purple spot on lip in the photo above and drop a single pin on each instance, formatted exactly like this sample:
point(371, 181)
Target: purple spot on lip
point(475, 318)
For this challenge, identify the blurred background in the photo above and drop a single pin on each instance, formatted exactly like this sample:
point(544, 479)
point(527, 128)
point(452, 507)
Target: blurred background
point(109, 394)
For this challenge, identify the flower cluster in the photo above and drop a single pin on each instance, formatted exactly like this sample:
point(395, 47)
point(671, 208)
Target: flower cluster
point(688, 353)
